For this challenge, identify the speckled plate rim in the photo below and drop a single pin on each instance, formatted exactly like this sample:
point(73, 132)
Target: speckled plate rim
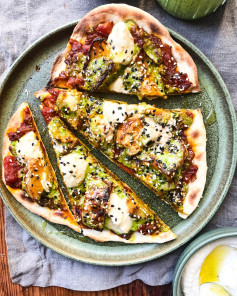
point(197, 244)
point(224, 190)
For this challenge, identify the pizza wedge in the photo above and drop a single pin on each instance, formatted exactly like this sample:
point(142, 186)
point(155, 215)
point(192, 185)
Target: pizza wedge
point(105, 208)
point(120, 48)
point(164, 149)
point(28, 174)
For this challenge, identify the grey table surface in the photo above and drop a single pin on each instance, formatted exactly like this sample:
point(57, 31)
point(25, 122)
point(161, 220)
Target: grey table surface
point(23, 22)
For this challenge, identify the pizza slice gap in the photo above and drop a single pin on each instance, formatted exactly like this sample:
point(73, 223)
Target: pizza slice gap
point(28, 173)
point(120, 48)
point(164, 149)
point(105, 208)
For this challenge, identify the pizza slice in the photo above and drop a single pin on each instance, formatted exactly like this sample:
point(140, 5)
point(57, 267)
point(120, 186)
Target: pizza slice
point(105, 208)
point(165, 149)
point(27, 172)
point(120, 48)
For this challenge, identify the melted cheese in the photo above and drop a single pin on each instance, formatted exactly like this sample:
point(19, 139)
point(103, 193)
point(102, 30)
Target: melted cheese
point(152, 129)
point(114, 112)
point(71, 100)
point(119, 214)
point(73, 167)
point(108, 130)
point(28, 147)
point(58, 147)
point(118, 86)
point(45, 182)
point(156, 132)
point(121, 44)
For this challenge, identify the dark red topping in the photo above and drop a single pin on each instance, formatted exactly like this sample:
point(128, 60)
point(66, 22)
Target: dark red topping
point(189, 113)
point(72, 82)
point(25, 127)
point(11, 170)
point(189, 171)
point(126, 169)
point(50, 100)
point(76, 82)
point(54, 92)
point(126, 236)
point(138, 35)
point(172, 76)
point(84, 48)
point(117, 151)
point(148, 228)
point(91, 38)
point(63, 75)
point(104, 29)
point(48, 114)
point(77, 47)
point(72, 55)
point(191, 174)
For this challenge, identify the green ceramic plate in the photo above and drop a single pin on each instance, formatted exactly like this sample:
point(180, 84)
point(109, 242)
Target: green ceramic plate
point(193, 248)
point(214, 100)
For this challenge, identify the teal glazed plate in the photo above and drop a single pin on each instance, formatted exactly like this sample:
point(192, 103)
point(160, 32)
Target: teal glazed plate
point(197, 244)
point(31, 73)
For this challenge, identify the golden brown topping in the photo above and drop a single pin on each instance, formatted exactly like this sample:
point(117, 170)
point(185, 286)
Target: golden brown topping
point(128, 134)
point(38, 178)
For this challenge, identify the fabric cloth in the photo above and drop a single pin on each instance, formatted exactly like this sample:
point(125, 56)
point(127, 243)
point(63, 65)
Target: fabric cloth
point(24, 21)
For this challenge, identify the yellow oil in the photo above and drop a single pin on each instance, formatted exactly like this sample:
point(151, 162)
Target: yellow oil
point(211, 265)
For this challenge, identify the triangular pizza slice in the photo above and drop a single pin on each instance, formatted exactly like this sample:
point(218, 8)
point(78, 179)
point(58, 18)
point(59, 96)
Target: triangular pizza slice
point(28, 174)
point(165, 149)
point(120, 48)
point(105, 208)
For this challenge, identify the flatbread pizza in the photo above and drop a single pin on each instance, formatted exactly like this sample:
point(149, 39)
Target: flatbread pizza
point(164, 149)
point(120, 48)
point(28, 174)
point(106, 208)
point(114, 48)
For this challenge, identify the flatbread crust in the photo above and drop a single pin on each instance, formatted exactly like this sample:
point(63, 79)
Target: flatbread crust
point(137, 238)
point(55, 216)
point(196, 135)
point(123, 12)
